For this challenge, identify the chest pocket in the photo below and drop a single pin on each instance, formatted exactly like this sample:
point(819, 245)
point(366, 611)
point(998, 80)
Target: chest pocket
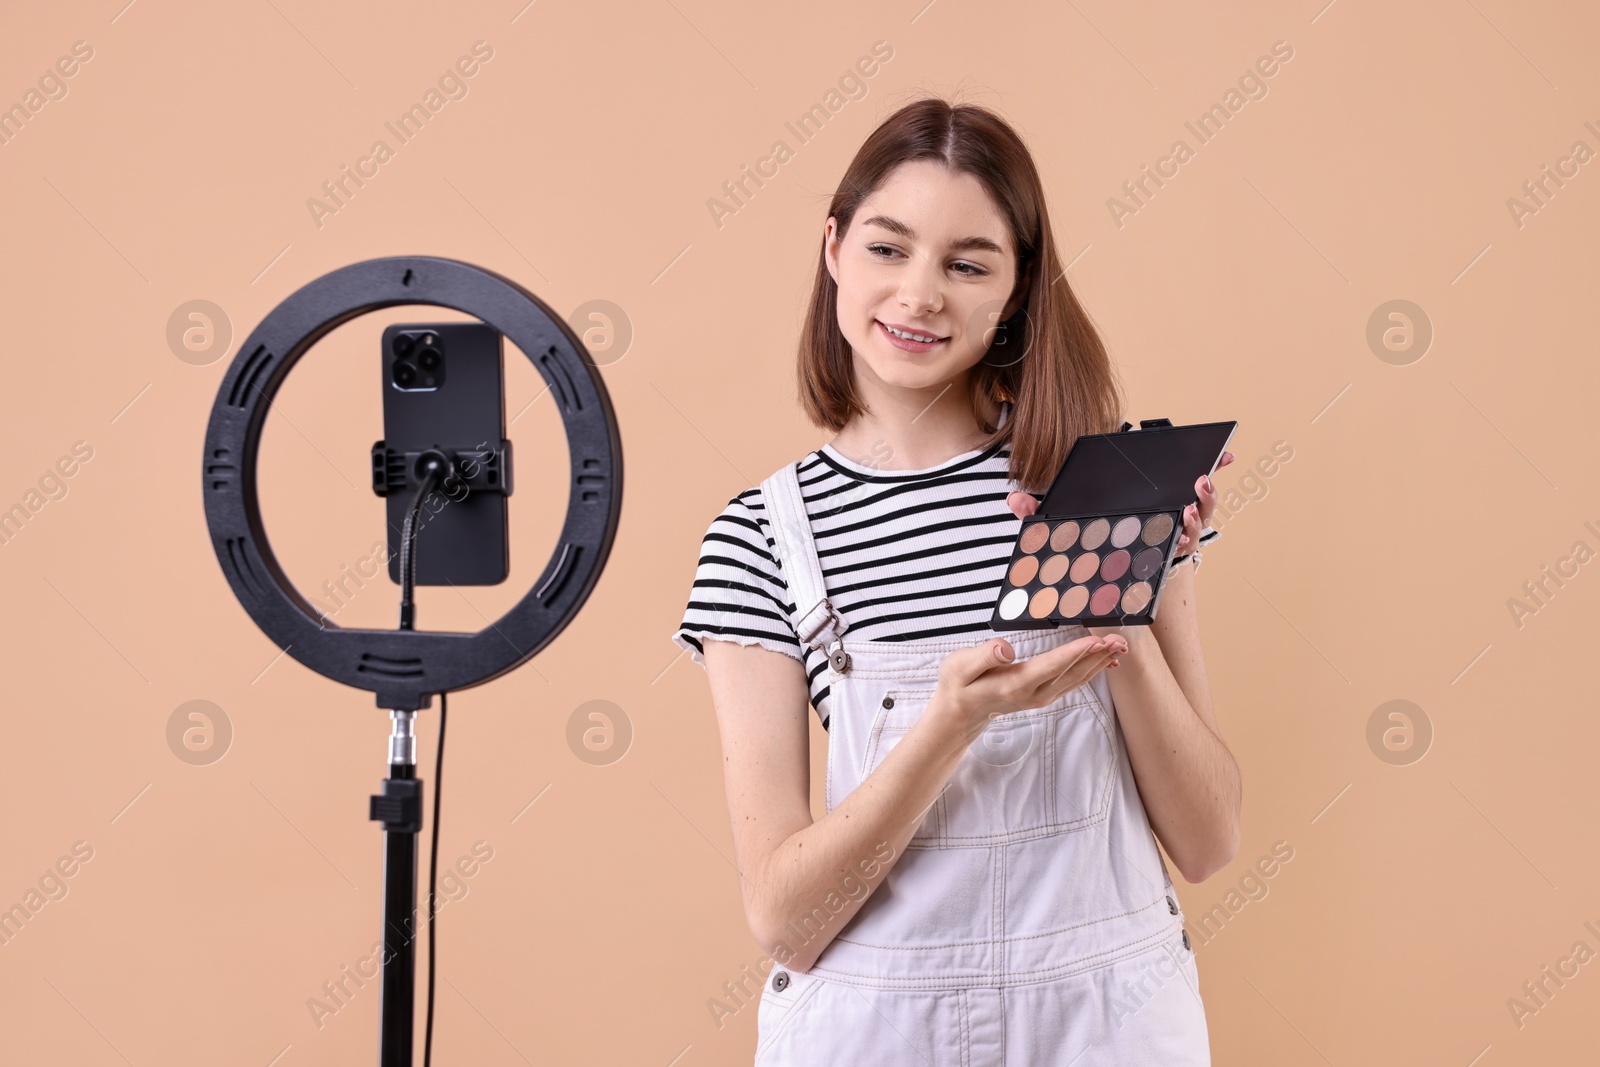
point(1031, 773)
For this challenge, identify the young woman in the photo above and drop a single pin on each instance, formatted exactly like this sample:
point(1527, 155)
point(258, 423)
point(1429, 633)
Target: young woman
point(985, 885)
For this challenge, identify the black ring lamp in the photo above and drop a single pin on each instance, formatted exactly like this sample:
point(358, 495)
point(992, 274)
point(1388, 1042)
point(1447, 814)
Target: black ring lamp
point(404, 667)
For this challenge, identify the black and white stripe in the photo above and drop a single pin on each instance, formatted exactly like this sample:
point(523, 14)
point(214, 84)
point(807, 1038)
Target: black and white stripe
point(904, 555)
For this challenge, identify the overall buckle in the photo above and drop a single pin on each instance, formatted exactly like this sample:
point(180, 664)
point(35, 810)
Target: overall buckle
point(823, 617)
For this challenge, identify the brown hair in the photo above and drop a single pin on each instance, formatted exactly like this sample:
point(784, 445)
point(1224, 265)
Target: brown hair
point(1063, 386)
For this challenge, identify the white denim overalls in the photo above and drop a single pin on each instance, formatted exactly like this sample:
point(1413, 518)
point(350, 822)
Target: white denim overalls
point(1030, 921)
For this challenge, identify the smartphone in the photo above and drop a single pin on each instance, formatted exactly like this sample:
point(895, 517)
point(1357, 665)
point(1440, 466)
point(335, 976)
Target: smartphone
point(444, 387)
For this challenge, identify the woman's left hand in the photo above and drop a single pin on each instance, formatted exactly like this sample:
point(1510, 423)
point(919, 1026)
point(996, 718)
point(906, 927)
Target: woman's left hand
point(1195, 516)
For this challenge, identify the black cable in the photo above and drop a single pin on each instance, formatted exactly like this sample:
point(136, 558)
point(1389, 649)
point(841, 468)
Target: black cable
point(435, 469)
point(433, 871)
point(433, 473)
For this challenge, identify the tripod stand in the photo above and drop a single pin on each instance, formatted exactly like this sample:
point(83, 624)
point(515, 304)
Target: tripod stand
point(403, 668)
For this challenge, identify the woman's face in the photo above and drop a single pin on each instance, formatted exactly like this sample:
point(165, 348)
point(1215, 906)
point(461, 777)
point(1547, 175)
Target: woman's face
point(929, 254)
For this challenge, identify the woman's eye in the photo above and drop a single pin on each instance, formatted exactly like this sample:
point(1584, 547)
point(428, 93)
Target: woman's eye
point(971, 271)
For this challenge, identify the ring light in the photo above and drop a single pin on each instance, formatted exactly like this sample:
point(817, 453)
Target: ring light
point(404, 667)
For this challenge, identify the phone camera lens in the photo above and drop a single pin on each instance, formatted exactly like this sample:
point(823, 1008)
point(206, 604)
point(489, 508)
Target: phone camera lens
point(402, 344)
point(404, 374)
point(428, 359)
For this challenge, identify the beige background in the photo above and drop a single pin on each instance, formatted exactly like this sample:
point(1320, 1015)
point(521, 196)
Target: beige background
point(1375, 565)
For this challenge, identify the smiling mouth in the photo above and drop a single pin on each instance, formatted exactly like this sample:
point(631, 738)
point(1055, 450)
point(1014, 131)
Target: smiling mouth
point(910, 336)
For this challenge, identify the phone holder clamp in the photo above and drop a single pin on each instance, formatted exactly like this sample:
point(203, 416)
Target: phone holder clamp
point(479, 470)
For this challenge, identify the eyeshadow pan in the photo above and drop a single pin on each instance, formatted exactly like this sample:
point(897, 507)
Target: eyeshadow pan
point(1034, 537)
point(1115, 565)
point(1125, 531)
point(1136, 599)
point(1053, 569)
point(1084, 566)
point(1065, 535)
point(1012, 603)
point(1157, 528)
point(1104, 598)
point(1095, 550)
point(1146, 563)
point(1023, 570)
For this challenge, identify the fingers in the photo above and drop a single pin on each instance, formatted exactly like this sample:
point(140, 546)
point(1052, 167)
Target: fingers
point(1206, 494)
point(1022, 504)
point(1077, 659)
point(1081, 671)
point(963, 666)
point(1034, 682)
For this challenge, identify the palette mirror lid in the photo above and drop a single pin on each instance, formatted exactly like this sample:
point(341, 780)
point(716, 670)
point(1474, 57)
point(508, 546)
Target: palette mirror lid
point(1136, 470)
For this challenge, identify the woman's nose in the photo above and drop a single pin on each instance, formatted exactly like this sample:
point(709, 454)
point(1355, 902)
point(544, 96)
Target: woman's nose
point(921, 288)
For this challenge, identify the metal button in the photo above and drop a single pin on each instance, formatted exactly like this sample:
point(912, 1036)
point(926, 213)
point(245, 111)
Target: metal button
point(888, 702)
point(780, 980)
point(1172, 905)
point(1186, 940)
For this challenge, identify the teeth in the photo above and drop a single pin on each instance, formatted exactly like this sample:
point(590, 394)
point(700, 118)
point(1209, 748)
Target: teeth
point(908, 336)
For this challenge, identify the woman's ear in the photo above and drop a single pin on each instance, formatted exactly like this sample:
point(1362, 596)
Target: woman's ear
point(830, 248)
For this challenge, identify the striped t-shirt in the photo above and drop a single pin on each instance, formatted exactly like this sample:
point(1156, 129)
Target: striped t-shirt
point(904, 555)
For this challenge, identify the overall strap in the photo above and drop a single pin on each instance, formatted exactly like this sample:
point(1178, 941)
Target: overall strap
point(816, 622)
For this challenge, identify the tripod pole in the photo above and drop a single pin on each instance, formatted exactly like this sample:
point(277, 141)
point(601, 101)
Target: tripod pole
point(399, 808)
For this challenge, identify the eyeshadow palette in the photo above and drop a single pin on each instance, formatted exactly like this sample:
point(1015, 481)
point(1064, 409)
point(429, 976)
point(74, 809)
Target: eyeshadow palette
point(1096, 551)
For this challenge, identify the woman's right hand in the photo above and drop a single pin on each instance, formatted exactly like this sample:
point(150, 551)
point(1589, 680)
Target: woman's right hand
point(976, 684)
